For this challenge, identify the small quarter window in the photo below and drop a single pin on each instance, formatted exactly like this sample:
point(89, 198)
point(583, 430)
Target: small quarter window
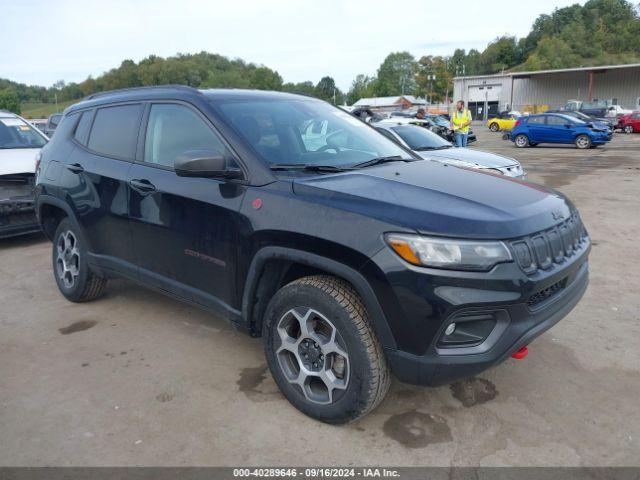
point(83, 127)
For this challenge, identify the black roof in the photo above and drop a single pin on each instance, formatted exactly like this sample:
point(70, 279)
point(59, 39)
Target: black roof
point(180, 92)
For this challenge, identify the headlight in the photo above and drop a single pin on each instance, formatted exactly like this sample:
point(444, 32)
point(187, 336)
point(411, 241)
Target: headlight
point(449, 253)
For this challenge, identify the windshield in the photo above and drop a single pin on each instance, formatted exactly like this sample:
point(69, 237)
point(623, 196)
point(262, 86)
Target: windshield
point(581, 116)
point(573, 119)
point(15, 133)
point(419, 138)
point(305, 132)
point(440, 121)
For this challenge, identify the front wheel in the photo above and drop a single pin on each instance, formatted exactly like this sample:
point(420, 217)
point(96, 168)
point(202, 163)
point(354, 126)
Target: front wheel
point(583, 142)
point(494, 127)
point(521, 141)
point(322, 352)
point(628, 129)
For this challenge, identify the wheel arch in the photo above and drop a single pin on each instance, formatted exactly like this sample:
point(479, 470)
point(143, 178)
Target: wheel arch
point(50, 211)
point(275, 266)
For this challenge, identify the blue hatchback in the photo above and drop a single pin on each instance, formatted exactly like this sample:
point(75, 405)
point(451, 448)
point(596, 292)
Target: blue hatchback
point(557, 128)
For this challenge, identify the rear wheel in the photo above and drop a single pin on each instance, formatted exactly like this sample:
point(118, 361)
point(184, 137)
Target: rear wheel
point(494, 127)
point(583, 141)
point(322, 352)
point(73, 276)
point(628, 129)
point(521, 141)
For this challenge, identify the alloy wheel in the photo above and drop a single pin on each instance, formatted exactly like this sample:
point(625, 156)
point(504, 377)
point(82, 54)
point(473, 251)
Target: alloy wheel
point(628, 129)
point(583, 141)
point(68, 259)
point(312, 356)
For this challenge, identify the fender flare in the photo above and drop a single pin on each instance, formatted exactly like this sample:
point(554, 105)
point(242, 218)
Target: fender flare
point(45, 199)
point(355, 278)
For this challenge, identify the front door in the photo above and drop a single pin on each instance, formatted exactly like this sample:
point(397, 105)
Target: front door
point(559, 129)
point(184, 229)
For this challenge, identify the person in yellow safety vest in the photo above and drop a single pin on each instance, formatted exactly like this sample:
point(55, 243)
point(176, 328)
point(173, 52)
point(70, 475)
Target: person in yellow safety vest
point(460, 121)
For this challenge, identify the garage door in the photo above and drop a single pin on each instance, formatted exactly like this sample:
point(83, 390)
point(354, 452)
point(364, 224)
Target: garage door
point(485, 93)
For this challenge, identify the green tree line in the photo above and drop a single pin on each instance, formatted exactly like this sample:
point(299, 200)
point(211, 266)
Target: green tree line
point(597, 33)
point(202, 70)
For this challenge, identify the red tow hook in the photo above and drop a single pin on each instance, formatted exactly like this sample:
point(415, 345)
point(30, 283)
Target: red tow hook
point(520, 354)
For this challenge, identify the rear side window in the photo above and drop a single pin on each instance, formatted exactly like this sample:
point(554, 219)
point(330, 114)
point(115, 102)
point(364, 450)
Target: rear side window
point(535, 121)
point(54, 120)
point(115, 131)
point(83, 127)
point(175, 129)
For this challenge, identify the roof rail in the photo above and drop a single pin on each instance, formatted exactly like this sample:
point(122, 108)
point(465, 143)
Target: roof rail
point(135, 89)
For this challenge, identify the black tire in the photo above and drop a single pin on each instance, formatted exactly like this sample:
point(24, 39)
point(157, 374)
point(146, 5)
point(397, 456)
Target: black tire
point(583, 142)
point(84, 285)
point(494, 127)
point(521, 140)
point(628, 129)
point(367, 372)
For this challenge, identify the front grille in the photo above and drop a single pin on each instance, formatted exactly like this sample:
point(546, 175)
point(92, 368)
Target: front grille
point(546, 293)
point(542, 250)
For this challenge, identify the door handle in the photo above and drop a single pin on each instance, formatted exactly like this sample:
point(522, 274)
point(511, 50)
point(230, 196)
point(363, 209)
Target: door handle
point(142, 185)
point(75, 168)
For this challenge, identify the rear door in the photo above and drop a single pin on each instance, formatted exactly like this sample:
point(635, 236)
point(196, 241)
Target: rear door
point(185, 230)
point(536, 128)
point(107, 137)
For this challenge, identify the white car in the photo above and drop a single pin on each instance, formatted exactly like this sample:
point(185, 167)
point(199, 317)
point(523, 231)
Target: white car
point(20, 142)
point(433, 147)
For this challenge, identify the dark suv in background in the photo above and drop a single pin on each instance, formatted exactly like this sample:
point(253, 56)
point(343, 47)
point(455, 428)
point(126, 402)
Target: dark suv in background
point(297, 222)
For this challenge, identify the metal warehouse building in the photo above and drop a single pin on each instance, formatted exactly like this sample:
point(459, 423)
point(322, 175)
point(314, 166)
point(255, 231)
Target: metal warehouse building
point(545, 89)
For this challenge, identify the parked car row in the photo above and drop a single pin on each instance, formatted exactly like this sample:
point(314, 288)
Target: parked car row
point(438, 124)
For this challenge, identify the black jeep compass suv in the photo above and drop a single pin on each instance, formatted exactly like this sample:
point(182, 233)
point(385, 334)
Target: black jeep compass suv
point(297, 222)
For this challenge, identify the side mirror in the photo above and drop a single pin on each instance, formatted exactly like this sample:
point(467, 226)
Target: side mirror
point(568, 125)
point(204, 163)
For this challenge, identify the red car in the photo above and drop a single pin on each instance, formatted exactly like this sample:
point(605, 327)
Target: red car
point(630, 123)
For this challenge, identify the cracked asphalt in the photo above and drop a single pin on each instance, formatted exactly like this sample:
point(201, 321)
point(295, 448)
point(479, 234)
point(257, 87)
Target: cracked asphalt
point(136, 378)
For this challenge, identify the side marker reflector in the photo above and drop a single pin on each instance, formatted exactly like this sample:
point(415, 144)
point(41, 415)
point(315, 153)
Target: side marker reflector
point(520, 354)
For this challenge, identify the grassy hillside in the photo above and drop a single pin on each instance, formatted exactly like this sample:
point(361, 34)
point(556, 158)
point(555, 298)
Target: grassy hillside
point(43, 110)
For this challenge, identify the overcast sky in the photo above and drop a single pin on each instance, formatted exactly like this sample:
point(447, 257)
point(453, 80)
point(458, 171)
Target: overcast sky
point(45, 41)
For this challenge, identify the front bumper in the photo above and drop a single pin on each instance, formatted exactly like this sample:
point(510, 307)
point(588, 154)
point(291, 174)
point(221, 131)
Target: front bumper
point(17, 217)
point(436, 368)
point(425, 301)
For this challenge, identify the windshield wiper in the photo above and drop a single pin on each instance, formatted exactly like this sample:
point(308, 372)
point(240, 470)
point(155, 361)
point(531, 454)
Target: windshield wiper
point(441, 147)
point(308, 168)
point(380, 160)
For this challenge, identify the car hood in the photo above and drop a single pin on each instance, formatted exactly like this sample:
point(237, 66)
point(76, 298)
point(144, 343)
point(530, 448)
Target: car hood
point(18, 160)
point(476, 157)
point(439, 199)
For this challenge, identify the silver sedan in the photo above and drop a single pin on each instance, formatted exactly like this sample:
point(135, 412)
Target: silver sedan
point(433, 147)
